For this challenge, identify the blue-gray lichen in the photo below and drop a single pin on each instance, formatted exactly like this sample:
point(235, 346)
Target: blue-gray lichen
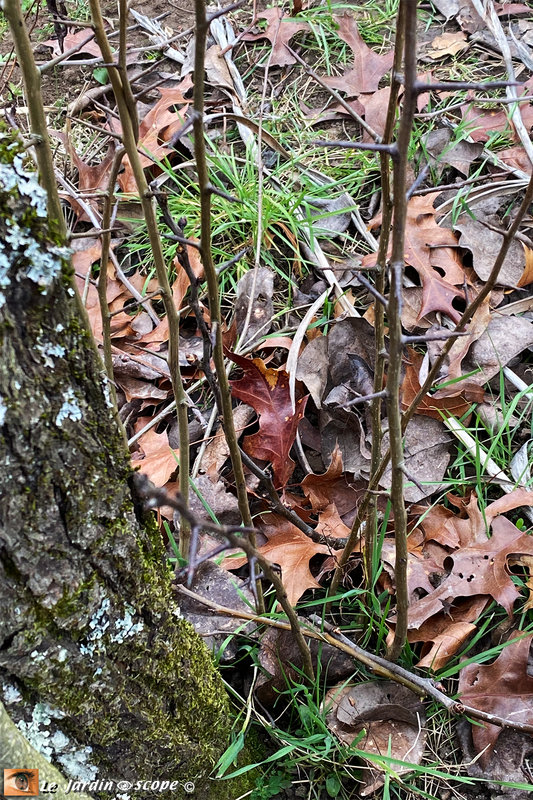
point(19, 244)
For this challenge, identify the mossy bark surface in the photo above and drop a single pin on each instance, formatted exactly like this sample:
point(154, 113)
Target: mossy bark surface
point(97, 668)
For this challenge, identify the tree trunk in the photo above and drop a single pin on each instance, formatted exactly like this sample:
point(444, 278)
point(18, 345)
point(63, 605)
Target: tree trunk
point(98, 670)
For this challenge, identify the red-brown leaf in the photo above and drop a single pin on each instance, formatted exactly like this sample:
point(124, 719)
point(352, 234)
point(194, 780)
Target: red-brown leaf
point(456, 403)
point(267, 391)
point(480, 568)
point(157, 129)
point(428, 249)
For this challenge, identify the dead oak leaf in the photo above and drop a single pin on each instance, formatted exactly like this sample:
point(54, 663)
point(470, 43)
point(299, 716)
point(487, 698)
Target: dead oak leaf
point(456, 403)
point(279, 31)
point(429, 249)
point(481, 568)
point(447, 44)
point(291, 550)
point(157, 129)
point(367, 68)
point(156, 459)
point(503, 688)
point(83, 38)
point(267, 391)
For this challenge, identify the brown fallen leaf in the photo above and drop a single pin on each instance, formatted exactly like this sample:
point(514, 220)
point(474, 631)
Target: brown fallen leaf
point(179, 290)
point(367, 68)
point(280, 660)
point(445, 634)
point(267, 391)
point(503, 339)
point(480, 568)
point(279, 31)
point(485, 244)
point(72, 40)
point(292, 550)
point(375, 111)
point(157, 128)
point(156, 459)
point(504, 688)
point(458, 400)
point(429, 250)
point(218, 585)
point(442, 152)
point(527, 275)
point(447, 44)
point(333, 487)
point(482, 122)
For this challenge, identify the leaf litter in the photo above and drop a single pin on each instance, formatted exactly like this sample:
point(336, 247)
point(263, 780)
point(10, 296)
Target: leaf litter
point(464, 554)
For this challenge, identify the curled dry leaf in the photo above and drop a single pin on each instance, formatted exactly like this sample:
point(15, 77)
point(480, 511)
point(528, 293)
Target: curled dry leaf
point(179, 290)
point(457, 402)
point(504, 338)
point(155, 459)
point(156, 130)
point(427, 453)
point(73, 40)
point(447, 44)
point(392, 718)
point(445, 635)
point(485, 244)
point(479, 566)
point(333, 487)
point(442, 152)
point(292, 550)
point(281, 659)
point(218, 585)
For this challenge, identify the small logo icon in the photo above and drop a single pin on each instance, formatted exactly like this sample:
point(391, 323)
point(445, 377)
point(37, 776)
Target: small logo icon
point(21, 782)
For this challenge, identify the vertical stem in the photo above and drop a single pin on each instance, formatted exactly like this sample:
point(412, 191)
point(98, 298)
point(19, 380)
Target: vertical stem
point(32, 85)
point(202, 27)
point(102, 278)
point(122, 64)
point(387, 207)
point(379, 320)
point(408, 21)
point(118, 78)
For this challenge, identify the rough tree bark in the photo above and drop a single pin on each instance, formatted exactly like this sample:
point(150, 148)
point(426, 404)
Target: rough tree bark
point(97, 668)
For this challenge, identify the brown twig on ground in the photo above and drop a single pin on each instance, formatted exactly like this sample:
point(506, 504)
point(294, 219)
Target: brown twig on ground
point(423, 687)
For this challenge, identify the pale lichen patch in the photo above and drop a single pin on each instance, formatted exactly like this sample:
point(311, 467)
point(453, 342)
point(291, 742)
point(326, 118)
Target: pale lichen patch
point(11, 694)
point(76, 764)
point(126, 627)
point(70, 408)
